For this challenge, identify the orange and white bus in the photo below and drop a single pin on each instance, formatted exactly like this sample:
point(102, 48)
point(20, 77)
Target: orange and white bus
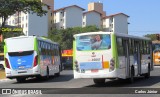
point(156, 52)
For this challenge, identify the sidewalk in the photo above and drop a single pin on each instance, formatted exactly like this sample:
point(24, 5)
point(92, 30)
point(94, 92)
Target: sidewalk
point(2, 74)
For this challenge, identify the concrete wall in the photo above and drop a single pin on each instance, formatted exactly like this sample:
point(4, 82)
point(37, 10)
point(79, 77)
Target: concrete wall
point(37, 25)
point(121, 24)
point(93, 18)
point(73, 17)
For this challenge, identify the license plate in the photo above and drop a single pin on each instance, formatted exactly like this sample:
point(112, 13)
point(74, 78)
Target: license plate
point(21, 67)
point(94, 70)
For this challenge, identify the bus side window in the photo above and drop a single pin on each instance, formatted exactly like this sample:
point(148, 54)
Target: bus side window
point(141, 46)
point(120, 47)
point(145, 47)
point(131, 47)
point(148, 50)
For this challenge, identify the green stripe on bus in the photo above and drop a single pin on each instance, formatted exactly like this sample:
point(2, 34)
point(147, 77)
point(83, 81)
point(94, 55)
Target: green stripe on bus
point(5, 51)
point(114, 50)
point(5, 48)
point(36, 49)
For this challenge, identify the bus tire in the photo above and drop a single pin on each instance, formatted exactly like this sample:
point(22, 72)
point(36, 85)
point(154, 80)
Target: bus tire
point(99, 81)
point(20, 80)
point(47, 76)
point(147, 75)
point(131, 79)
point(58, 74)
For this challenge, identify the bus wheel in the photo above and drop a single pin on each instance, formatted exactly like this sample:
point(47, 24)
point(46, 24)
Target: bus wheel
point(20, 80)
point(58, 74)
point(131, 79)
point(147, 75)
point(99, 81)
point(47, 76)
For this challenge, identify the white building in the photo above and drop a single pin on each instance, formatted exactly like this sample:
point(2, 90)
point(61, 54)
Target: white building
point(117, 23)
point(68, 17)
point(33, 24)
point(91, 18)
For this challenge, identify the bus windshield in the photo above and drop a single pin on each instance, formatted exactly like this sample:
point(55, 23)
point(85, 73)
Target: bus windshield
point(20, 44)
point(93, 42)
point(156, 47)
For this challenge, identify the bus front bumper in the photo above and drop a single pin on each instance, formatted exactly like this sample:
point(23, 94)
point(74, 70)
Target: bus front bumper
point(22, 73)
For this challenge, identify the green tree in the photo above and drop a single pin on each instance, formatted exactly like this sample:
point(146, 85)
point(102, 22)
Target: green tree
point(151, 36)
point(10, 7)
point(65, 36)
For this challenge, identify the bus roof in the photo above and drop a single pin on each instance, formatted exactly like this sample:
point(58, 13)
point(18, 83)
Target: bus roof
point(117, 34)
point(38, 38)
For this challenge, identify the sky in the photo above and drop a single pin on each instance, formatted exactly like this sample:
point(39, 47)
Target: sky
point(144, 14)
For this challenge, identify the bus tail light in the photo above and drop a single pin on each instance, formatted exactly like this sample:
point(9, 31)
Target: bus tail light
point(7, 63)
point(35, 60)
point(112, 64)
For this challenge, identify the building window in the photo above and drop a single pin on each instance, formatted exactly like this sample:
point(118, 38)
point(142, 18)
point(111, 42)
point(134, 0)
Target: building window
point(83, 23)
point(61, 20)
point(110, 30)
point(22, 25)
point(26, 25)
point(62, 27)
point(111, 19)
point(111, 25)
point(62, 13)
point(51, 13)
point(22, 18)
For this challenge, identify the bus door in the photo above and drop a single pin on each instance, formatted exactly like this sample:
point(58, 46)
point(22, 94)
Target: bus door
point(126, 53)
point(137, 56)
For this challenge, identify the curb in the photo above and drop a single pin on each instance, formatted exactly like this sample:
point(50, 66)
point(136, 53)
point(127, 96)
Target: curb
point(4, 80)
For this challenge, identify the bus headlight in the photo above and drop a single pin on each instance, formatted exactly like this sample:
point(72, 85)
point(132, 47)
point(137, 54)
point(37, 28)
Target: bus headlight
point(112, 64)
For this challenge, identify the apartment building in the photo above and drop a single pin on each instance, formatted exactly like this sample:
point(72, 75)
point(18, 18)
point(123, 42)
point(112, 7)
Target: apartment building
point(117, 23)
point(33, 24)
point(68, 17)
point(92, 18)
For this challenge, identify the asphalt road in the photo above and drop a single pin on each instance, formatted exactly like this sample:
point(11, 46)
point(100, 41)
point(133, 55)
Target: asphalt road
point(66, 86)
